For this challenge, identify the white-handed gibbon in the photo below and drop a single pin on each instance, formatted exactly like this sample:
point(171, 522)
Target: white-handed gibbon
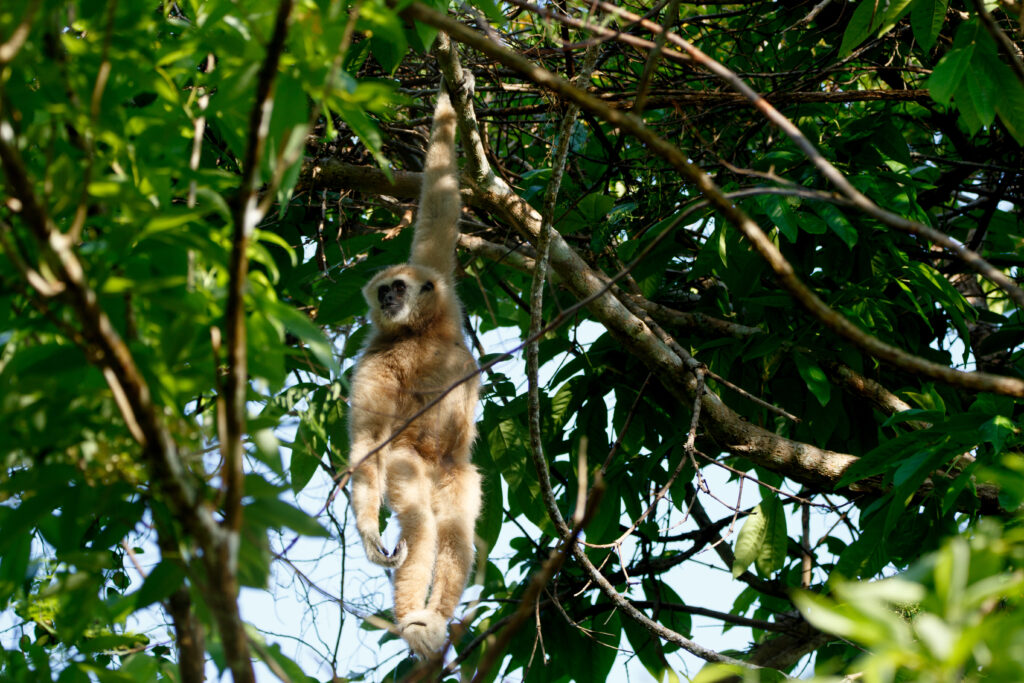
point(417, 351)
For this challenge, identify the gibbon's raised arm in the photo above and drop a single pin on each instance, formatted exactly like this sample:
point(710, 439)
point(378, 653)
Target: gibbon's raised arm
point(437, 222)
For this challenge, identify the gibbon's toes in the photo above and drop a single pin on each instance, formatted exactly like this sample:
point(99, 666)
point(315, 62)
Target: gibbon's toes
point(425, 631)
point(376, 553)
point(401, 551)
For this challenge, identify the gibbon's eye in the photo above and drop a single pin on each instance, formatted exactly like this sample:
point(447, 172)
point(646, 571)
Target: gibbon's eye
point(398, 286)
point(428, 286)
point(382, 292)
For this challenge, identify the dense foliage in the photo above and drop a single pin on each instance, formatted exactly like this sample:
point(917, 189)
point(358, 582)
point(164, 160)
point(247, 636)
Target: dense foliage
point(781, 336)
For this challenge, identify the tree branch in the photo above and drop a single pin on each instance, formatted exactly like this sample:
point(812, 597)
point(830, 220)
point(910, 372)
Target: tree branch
point(246, 214)
point(825, 167)
point(790, 281)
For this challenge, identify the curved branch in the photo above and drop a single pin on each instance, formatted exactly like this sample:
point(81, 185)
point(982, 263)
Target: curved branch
point(977, 381)
point(971, 258)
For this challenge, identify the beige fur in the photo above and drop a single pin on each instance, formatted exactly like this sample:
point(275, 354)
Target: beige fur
point(416, 352)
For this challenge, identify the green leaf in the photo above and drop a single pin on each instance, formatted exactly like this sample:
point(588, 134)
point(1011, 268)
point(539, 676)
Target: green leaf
point(998, 431)
point(594, 208)
point(364, 127)
point(560, 403)
point(491, 9)
point(165, 578)
point(838, 223)
point(893, 13)
point(303, 463)
point(948, 74)
point(649, 650)
point(781, 214)
point(1010, 102)
point(981, 88)
point(749, 540)
point(815, 378)
point(423, 37)
point(860, 26)
point(926, 20)
point(106, 189)
point(840, 620)
point(772, 554)
point(14, 565)
point(492, 515)
point(387, 38)
point(716, 673)
point(965, 104)
point(272, 654)
point(275, 513)
point(305, 329)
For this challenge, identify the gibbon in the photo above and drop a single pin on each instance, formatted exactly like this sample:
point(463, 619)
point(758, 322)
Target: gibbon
point(415, 352)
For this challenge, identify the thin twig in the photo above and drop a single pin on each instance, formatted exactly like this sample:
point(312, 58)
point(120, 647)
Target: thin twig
point(246, 214)
point(9, 48)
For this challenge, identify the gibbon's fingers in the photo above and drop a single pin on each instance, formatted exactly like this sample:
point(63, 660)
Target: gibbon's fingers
point(468, 84)
point(425, 631)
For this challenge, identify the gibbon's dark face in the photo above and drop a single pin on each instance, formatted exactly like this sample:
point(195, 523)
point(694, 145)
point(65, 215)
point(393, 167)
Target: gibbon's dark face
point(403, 296)
point(391, 297)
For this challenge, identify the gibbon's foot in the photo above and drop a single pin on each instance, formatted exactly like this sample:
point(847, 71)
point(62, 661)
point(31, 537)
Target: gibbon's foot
point(425, 631)
point(377, 554)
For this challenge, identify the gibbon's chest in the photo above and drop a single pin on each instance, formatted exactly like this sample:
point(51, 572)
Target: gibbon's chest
point(413, 364)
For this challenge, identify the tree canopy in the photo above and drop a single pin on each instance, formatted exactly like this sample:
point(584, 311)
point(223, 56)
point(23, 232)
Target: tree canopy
point(742, 278)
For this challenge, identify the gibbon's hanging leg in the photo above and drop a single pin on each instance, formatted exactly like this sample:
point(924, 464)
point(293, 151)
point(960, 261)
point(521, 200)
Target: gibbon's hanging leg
point(408, 486)
point(416, 353)
point(456, 506)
